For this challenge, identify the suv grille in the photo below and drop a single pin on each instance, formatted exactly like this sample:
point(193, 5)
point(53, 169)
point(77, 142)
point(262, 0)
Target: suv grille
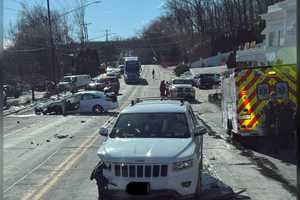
point(140, 171)
point(180, 90)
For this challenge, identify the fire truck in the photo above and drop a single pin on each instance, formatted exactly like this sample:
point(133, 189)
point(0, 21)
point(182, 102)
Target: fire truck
point(246, 92)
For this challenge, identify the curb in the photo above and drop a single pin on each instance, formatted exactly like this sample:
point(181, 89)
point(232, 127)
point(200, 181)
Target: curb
point(26, 106)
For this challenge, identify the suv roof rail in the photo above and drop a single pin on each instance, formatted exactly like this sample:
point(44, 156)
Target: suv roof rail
point(141, 99)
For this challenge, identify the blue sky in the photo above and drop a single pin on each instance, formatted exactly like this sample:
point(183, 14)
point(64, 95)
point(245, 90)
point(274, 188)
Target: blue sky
point(123, 18)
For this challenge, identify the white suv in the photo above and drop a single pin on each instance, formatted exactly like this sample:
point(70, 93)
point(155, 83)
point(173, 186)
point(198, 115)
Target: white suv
point(154, 149)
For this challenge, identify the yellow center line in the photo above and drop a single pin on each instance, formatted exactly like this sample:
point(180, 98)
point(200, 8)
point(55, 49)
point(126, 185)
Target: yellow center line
point(47, 183)
point(63, 167)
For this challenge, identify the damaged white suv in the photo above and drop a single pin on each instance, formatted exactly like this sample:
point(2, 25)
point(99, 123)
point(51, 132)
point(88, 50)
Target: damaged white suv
point(154, 149)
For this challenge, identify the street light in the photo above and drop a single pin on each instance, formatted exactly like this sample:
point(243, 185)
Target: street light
point(80, 7)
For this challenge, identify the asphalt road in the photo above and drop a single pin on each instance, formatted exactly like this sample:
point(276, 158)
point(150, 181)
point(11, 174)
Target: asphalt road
point(51, 156)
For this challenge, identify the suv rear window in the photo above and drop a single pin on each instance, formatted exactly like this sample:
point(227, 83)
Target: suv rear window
point(151, 125)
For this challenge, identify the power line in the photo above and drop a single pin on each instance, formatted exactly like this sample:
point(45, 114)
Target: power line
point(51, 42)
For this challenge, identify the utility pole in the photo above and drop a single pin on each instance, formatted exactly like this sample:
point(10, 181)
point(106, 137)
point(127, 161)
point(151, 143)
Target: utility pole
point(106, 35)
point(86, 33)
point(52, 60)
point(82, 23)
point(1, 94)
point(298, 99)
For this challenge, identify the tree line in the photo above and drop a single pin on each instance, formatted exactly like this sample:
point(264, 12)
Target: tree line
point(27, 60)
point(190, 29)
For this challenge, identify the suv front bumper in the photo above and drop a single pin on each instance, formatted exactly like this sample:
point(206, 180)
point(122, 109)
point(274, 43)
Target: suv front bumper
point(154, 194)
point(173, 185)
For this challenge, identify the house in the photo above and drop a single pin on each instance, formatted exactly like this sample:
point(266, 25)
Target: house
point(280, 32)
point(279, 45)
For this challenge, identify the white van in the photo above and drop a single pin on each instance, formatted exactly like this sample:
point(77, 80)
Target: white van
point(74, 82)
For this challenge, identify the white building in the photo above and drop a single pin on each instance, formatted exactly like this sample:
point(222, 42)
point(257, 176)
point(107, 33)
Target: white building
point(280, 37)
point(280, 32)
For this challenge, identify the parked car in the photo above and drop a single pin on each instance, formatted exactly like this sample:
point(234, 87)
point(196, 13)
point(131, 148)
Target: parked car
point(12, 90)
point(74, 83)
point(81, 102)
point(105, 80)
point(155, 146)
point(112, 71)
point(97, 83)
point(182, 88)
point(208, 81)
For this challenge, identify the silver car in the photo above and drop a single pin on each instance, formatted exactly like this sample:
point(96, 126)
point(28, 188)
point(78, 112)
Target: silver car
point(81, 102)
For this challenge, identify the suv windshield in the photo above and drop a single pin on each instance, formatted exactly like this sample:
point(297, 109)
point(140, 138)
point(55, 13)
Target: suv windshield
point(189, 82)
point(151, 125)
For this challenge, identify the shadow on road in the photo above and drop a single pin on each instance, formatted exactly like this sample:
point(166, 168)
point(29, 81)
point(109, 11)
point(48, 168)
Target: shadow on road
point(215, 189)
point(268, 147)
point(212, 189)
point(266, 166)
point(141, 82)
point(114, 114)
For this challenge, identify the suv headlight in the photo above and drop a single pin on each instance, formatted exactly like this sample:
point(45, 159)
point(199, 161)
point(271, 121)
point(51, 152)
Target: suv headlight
point(183, 164)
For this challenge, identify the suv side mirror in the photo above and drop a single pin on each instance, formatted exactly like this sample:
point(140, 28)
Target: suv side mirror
point(103, 131)
point(200, 130)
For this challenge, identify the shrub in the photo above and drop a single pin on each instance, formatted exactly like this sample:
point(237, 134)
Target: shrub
point(180, 69)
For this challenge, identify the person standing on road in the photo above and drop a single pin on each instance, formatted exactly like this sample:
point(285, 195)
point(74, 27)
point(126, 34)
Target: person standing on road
point(162, 88)
point(286, 124)
point(167, 89)
point(153, 74)
point(271, 118)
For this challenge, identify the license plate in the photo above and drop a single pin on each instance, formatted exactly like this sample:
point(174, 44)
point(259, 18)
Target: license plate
point(138, 188)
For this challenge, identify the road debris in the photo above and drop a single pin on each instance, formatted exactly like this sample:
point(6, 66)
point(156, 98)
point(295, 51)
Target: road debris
point(213, 158)
point(58, 136)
